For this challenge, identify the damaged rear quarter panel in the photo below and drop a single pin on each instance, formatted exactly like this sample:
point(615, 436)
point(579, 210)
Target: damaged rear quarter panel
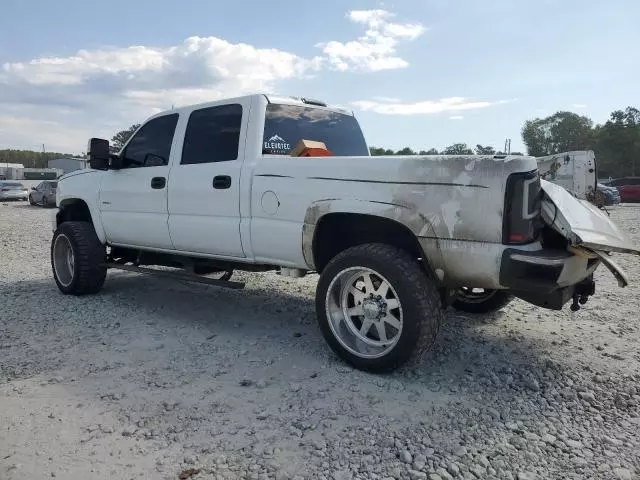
point(439, 198)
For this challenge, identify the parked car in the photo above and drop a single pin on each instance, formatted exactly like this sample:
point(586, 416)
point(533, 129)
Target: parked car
point(629, 188)
point(10, 190)
point(44, 194)
point(221, 185)
point(610, 195)
point(629, 193)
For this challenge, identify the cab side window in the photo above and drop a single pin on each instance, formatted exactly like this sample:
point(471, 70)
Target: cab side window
point(151, 145)
point(213, 135)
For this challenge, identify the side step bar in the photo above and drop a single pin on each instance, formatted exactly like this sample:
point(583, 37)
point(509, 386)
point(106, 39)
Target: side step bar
point(177, 276)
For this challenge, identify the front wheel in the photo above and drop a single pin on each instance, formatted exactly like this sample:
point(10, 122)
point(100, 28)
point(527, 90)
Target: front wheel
point(480, 300)
point(31, 202)
point(377, 309)
point(78, 259)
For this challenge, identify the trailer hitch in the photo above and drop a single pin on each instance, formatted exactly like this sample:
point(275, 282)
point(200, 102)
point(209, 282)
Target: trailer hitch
point(581, 293)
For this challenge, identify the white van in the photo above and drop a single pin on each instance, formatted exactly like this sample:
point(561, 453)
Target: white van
point(575, 171)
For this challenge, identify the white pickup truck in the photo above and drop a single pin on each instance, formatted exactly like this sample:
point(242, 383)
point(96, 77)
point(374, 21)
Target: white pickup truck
point(213, 187)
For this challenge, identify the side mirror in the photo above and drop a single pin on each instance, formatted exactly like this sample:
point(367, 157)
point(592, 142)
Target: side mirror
point(33, 188)
point(98, 152)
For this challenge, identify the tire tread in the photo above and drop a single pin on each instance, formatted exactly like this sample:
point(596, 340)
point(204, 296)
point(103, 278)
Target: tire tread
point(89, 258)
point(423, 294)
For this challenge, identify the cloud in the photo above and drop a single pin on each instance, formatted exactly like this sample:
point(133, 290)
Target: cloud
point(376, 49)
point(58, 99)
point(456, 117)
point(123, 85)
point(205, 65)
point(426, 107)
point(579, 105)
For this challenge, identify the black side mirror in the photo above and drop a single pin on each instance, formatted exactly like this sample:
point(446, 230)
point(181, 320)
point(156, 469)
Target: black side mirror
point(98, 152)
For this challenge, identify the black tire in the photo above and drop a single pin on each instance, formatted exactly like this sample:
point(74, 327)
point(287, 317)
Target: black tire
point(88, 273)
point(422, 310)
point(31, 202)
point(492, 301)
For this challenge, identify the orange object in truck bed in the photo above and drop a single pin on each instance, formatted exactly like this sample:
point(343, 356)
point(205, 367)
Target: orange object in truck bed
point(310, 148)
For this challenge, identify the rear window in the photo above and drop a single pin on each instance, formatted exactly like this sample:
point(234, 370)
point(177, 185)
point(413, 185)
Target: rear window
point(285, 125)
point(53, 184)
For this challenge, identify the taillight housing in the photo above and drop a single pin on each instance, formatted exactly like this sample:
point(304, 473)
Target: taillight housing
point(521, 208)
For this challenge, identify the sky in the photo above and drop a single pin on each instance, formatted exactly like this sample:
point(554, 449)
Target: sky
point(417, 73)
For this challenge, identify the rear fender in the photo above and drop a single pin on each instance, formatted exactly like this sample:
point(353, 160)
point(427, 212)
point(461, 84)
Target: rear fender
point(416, 222)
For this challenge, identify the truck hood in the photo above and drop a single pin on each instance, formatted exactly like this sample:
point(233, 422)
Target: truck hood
point(581, 222)
point(75, 173)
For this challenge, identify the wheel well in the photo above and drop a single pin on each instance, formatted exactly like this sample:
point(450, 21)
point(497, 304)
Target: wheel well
point(74, 211)
point(338, 231)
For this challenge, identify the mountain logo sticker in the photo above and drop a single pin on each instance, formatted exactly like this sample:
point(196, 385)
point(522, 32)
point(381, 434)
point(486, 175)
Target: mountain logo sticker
point(276, 145)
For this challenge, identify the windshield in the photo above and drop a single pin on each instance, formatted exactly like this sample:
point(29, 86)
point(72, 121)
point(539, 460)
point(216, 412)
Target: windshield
point(285, 125)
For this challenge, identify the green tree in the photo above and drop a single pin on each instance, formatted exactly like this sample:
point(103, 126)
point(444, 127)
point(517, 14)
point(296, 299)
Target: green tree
point(561, 132)
point(29, 158)
point(431, 151)
point(458, 149)
point(405, 151)
point(480, 150)
point(617, 143)
point(120, 138)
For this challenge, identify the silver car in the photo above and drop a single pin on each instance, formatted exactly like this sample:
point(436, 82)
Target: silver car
point(10, 190)
point(44, 194)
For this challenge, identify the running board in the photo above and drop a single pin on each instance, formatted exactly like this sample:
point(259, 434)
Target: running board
point(177, 276)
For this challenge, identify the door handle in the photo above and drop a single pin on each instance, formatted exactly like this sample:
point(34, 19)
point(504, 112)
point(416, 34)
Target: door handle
point(221, 181)
point(158, 182)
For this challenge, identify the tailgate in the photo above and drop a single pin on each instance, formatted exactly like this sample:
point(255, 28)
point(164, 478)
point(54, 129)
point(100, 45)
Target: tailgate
point(581, 222)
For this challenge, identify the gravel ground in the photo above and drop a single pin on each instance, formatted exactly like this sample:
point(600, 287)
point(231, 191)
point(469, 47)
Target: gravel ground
point(160, 379)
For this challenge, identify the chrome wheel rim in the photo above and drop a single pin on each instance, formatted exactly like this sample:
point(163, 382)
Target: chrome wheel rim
point(475, 295)
point(63, 260)
point(364, 312)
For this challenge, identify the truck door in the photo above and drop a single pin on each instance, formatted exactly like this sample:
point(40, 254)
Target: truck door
point(133, 199)
point(204, 185)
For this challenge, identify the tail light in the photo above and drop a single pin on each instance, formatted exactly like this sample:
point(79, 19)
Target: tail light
point(521, 208)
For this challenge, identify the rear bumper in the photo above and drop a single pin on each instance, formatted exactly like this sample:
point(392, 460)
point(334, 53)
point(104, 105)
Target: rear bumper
point(13, 195)
point(547, 278)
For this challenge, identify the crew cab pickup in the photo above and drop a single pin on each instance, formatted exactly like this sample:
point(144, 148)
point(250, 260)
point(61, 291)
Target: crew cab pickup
point(211, 188)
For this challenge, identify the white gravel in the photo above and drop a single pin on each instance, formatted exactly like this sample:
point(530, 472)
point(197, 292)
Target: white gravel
point(156, 379)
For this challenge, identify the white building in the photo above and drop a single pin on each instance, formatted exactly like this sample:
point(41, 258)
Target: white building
point(11, 171)
point(67, 164)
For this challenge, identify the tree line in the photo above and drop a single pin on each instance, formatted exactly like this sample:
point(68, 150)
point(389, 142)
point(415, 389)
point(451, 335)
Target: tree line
point(616, 142)
point(31, 159)
point(455, 149)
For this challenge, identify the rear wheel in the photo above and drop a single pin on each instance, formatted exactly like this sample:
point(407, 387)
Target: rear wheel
point(77, 259)
point(480, 300)
point(376, 307)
